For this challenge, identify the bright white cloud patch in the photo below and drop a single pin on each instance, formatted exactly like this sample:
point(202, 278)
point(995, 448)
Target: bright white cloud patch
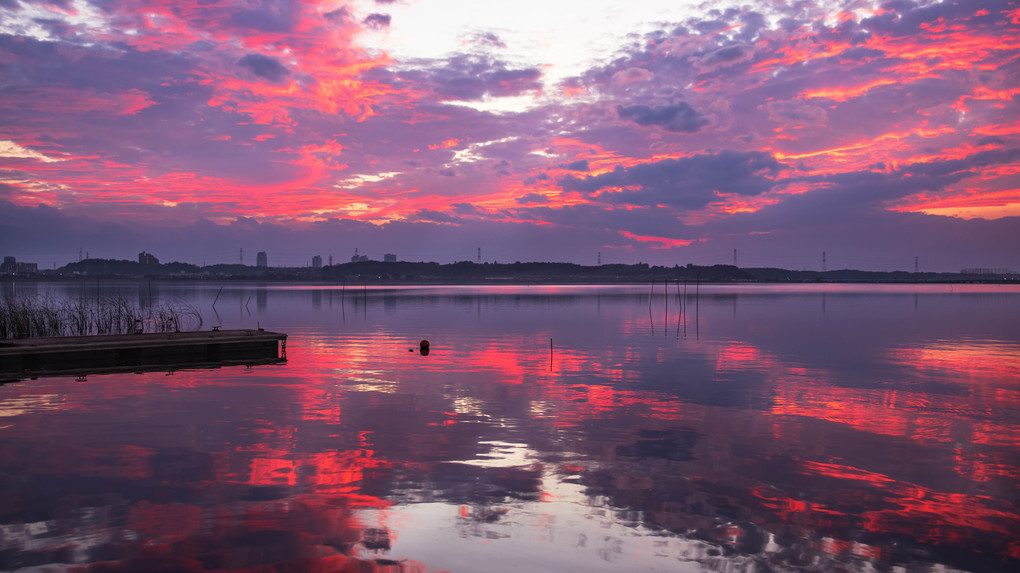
point(11, 149)
point(564, 37)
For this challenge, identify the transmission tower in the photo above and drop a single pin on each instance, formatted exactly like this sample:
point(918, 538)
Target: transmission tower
point(479, 255)
point(915, 263)
point(734, 257)
point(824, 268)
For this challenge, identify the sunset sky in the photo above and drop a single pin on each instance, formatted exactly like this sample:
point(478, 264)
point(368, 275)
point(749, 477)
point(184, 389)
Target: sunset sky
point(665, 132)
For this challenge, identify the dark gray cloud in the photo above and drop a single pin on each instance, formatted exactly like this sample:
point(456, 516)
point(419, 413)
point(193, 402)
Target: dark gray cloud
point(532, 198)
point(430, 216)
point(579, 165)
point(377, 21)
point(727, 55)
point(473, 76)
point(264, 66)
point(264, 16)
point(686, 183)
point(62, 4)
point(680, 117)
point(341, 15)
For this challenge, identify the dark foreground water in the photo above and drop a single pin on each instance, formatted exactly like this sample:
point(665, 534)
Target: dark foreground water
point(825, 428)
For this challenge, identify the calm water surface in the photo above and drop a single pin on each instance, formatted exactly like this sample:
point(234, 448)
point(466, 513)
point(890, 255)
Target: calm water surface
point(804, 428)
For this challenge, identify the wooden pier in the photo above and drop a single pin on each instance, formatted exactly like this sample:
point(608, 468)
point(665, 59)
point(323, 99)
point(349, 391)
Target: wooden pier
point(82, 355)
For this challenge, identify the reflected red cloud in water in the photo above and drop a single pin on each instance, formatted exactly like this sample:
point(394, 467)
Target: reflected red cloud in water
point(327, 486)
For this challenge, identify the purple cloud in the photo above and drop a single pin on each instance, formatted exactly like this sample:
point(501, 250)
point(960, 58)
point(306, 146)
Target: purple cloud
point(377, 21)
point(264, 66)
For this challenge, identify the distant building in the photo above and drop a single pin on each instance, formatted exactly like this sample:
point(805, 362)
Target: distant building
point(11, 266)
point(261, 260)
point(317, 262)
point(147, 259)
point(389, 258)
point(358, 258)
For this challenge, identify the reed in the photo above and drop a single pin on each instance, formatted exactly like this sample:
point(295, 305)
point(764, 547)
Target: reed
point(28, 317)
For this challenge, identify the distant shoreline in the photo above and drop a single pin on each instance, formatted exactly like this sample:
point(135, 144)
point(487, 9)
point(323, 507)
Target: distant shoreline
point(466, 273)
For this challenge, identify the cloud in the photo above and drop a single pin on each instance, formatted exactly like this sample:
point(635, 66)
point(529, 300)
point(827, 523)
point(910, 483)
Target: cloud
point(631, 76)
point(471, 77)
point(725, 56)
point(341, 15)
point(797, 112)
point(532, 198)
point(579, 165)
point(377, 21)
point(779, 129)
point(264, 66)
point(686, 183)
point(487, 40)
point(679, 117)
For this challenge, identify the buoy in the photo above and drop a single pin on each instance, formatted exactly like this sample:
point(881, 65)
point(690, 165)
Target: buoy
point(424, 347)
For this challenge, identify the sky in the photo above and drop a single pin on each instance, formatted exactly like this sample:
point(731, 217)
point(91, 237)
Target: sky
point(871, 133)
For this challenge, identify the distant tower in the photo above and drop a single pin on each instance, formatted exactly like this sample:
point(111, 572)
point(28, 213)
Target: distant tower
point(823, 262)
point(479, 254)
point(331, 260)
point(317, 262)
point(242, 255)
point(261, 260)
point(734, 257)
point(600, 258)
point(79, 254)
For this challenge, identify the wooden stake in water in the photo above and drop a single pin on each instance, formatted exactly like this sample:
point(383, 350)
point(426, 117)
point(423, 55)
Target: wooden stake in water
point(550, 355)
point(665, 296)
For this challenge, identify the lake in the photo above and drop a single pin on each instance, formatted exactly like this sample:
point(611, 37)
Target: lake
point(582, 428)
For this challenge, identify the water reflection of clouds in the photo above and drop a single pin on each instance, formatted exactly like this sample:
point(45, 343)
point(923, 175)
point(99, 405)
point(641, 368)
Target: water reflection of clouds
point(636, 449)
point(992, 362)
point(20, 405)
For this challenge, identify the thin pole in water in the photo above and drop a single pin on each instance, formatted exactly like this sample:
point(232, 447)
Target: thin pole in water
point(679, 300)
point(550, 355)
point(665, 296)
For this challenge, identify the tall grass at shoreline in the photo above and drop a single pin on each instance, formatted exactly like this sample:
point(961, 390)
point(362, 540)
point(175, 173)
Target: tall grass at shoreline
point(28, 317)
